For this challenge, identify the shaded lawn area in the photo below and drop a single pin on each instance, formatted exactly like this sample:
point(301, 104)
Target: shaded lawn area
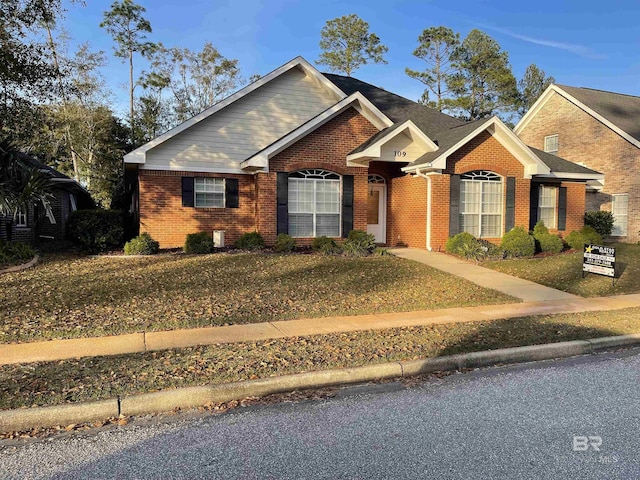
point(564, 272)
point(67, 297)
point(105, 377)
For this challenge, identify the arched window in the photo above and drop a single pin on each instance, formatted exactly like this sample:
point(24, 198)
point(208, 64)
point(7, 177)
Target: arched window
point(314, 203)
point(481, 204)
point(374, 178)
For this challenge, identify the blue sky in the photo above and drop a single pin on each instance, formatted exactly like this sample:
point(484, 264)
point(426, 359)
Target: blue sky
point(581, 43)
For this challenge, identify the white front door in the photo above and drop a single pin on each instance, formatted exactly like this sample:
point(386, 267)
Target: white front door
point(377, 212)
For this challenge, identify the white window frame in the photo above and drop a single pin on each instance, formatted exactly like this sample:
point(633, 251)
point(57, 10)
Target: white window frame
point(205, 185)
point(314, 177)
point(620, 210)
point(21, 218)
point(547, 140)
point(481, 178)
point(72, 200)
point(553, 190)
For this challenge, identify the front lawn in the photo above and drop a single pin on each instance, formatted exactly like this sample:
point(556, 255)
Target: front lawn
point(564, 272)
point(105, 377)
point(71, 296)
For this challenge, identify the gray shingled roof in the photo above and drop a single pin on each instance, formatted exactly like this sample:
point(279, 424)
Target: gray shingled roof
point(621, 110)
point(560, 165)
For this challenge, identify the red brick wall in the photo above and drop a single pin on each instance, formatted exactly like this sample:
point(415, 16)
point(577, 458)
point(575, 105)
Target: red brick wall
point(583, 139)
point(326, 148)
point(167, 221)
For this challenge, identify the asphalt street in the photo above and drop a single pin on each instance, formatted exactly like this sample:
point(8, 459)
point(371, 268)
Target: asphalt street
point(573, 418)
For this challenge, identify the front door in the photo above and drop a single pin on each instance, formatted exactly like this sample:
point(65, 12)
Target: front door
point(377, 212)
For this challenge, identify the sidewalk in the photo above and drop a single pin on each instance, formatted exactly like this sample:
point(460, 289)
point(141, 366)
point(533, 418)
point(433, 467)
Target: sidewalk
point(516, 287)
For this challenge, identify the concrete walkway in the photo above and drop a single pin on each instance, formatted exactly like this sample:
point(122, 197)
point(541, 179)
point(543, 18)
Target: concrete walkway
point(516, 287)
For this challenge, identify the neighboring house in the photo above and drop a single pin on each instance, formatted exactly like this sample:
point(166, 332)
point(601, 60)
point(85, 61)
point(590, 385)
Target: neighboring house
point(600, 130)
point(36, 224)
point(312, 154)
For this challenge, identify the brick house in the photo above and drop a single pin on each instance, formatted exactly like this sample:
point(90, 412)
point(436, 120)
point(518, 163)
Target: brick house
point(600, 130)
point(311, 154)
point(36, 224)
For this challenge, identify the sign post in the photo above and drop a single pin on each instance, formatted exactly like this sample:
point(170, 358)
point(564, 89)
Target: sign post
point(599, 260)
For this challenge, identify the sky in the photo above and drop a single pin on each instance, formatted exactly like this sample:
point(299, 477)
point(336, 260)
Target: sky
point(580, 43)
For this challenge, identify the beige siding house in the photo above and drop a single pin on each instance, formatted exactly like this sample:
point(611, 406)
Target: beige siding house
point(600, 130)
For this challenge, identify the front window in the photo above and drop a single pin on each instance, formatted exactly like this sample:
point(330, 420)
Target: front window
point(620, 210)
point(314, 204)
point(547, 206)
point(209, 192)
point(21, 218)
point(551, 144)
point(481, 204)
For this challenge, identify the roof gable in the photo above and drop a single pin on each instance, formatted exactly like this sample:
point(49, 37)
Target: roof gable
point(619, 112)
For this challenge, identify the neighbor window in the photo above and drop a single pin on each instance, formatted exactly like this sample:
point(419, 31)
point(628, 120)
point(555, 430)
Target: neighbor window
point(551, 144)
point(481, 204)
point(547, 206)
point(314, 204)
point(209, 192)
point(620, 210)
point(21, 218)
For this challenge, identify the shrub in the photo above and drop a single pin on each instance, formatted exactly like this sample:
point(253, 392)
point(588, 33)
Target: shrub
point(518, 243)
point(540, 229)
point(143, 244)
point(577, 239)
point(456, 244)
point(602, 222)
point(325, 246)
point(359, 243)
point(200, 242)
point(549, 243)
point(284, 243)
point(15, 253)
point(249, 241)
point(381, 252)
point(95, 230)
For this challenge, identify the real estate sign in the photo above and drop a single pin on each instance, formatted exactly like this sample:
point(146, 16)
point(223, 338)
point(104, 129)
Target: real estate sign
point(599, 260)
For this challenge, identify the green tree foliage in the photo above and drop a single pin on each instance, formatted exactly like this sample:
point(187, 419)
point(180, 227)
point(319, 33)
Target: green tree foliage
point(128, 28)
point(435, 47)
point(530, 87)
point(346, 45)
point(483, 84)
point(195, 81)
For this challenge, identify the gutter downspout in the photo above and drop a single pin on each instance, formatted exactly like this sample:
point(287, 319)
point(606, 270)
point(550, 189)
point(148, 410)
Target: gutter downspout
point(429, 189)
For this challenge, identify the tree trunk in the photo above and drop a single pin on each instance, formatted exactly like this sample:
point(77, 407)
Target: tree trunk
point(131, 112)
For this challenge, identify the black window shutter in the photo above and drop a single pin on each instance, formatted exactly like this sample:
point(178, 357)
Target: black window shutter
point(534, 200)
point(187, 192)
point(562, 208)
point(283, 202)
point(454, 205)
point(510, 219)
point(347, 204)
point(231, 192)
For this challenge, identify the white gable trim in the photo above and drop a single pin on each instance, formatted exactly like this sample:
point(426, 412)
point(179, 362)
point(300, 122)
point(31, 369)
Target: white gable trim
point(139, 154)
point(574, 176)
point(509, 140)
point(374, 150)
point(548, 93)
point(260, 161)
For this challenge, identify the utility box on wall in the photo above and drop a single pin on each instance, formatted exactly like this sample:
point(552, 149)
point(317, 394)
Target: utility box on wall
point(218, 238)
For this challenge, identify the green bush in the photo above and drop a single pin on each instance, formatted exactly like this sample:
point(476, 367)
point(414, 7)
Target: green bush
point(458, 243)
point(549, 243)
point(143, 244)
point(359, 243)
point(200, 242)
point(249, 241)
point(381, 252)
point(540, 229)
point(325, 246)
point(577, 239)
point(518, 243)
point(96, 230)
point(284, 243)
point(15, 253)
point(602, 222)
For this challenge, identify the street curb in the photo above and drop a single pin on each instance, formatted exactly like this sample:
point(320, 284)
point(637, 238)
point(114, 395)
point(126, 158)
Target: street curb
point(190, 397)
point(24, 266)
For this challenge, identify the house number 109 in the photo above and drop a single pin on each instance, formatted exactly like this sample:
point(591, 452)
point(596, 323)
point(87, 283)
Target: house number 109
point(399, 153)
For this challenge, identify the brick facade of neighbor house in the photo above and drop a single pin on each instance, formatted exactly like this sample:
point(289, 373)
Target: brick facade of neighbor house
point(167, 221)
point(583, 139)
